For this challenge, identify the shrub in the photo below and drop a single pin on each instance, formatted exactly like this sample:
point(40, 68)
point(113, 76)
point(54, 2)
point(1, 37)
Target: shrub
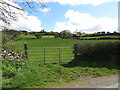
point(65, 34)
point(56, 34)
point(9, 35)
point(107, 51)
point(38, 35)
point(9, 68)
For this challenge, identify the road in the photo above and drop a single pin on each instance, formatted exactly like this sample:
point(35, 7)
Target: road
point(110, 81)
point(115, 85)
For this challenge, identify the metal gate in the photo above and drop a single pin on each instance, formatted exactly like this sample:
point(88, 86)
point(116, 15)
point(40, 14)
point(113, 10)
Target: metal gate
point(46, 55)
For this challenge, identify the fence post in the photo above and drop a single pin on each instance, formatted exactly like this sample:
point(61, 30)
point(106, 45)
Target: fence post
point(75, 51)
point(26, 50)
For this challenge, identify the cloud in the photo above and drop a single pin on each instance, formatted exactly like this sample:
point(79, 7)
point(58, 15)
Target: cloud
point(79, 2)
point(30, 23)
point(71, 2)
point(23, 22)
point(45, 9)
point(86, 23)
point(11, 9)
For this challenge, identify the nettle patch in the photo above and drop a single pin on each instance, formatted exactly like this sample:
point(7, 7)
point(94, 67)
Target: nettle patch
point(13, 56)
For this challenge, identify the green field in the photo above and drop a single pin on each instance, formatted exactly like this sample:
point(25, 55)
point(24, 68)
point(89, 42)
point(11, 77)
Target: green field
point(42, 53)
point(51, 54)
point(51, 42)
point(22, 36)
point(109, 36)
point(31, 74)
point(48, 36)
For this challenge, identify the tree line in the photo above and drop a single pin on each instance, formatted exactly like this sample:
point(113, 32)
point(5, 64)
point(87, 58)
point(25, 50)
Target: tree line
point(10, 34)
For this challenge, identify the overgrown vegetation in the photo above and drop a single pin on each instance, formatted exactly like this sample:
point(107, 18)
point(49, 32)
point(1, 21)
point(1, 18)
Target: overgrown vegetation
point(28, 74)
point(31, 74)
point(99, 49)
point(98, 53)
point(38, 35)
point(9, 35)
point(102, 37)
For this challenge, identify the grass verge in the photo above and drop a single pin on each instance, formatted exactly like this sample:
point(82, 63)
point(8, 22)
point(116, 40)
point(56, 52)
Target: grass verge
point(33, 75)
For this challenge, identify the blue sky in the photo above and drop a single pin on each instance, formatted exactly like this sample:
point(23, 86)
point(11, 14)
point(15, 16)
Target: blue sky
point(58, 11)
point(92, 16)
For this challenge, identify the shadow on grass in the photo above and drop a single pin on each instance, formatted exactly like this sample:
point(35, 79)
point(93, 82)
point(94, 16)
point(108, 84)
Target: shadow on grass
point(110, 63)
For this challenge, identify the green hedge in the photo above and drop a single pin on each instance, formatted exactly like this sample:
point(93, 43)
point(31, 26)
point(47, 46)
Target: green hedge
point(106, 50)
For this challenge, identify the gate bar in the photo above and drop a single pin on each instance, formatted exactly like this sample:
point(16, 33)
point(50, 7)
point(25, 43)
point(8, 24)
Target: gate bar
point(59, 56)
point(44, 55)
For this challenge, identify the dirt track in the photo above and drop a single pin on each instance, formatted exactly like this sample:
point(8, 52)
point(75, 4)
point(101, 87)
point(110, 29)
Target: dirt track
point(110, 81)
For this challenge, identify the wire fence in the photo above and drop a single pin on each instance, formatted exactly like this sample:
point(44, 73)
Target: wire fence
point(47, 55)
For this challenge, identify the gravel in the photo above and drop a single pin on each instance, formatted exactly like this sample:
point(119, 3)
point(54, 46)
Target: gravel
point(110, 81)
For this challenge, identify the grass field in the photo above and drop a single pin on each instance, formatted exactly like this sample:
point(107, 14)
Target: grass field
point(22, 36)
point(110, 36)
point(48, 36)
point(31, 74)
point(51, 42)
point(50, 55)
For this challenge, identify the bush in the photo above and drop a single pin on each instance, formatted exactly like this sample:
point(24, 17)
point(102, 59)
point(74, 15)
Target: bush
point(56, 34)
point(38, 35)
point(9, 35)
point(65, 34)
point(107, 51)
point(9, 68)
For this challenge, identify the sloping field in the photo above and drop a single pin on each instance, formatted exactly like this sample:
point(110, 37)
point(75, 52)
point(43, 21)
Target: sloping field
point(44, 49)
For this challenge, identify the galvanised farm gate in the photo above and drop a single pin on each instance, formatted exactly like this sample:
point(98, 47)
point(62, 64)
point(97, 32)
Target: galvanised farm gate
point(46, 55)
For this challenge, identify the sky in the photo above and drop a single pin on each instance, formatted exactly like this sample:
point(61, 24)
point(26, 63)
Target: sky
point(87, 16)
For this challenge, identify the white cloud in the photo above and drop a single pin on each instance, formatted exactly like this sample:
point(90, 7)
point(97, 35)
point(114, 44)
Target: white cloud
point(28, 1)
point(45, 9)
point(86, 23)
point(30, 23)
point(71, 2)
point(79, 2)
point(23, 22)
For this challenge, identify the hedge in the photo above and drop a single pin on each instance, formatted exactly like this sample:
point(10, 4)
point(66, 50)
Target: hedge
point(104, 50)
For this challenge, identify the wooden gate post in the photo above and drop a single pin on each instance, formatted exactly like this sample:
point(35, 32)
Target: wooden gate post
point(75, 51)
point(26, 50)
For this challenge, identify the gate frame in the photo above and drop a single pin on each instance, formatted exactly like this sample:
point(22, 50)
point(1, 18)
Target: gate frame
point(44, 51)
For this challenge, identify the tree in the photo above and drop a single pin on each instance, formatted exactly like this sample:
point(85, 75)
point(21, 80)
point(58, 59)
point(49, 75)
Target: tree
point(43, 31)
point(9, 11)
point(38, 35)
point(56, 34)
point(79, 33)
point(103, 32)
point(7, 8)
point(65, 34)
point(108, 32)
point(115, 33)
point(9, 35)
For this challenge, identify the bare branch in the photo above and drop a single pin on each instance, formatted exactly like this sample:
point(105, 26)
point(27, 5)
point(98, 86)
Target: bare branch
point(11, 5)
point(7, 14)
